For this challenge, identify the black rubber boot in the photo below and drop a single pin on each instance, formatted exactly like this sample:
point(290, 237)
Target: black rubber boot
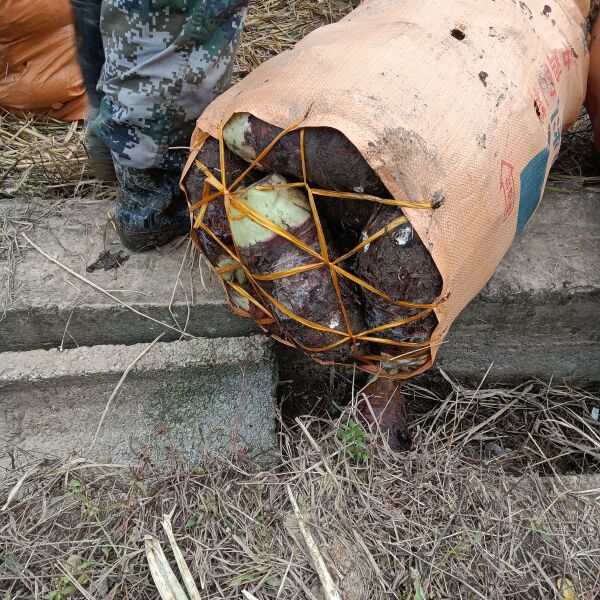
point(151, 210)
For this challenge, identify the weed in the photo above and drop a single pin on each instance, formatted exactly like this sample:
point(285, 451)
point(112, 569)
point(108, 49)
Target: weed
point(356, 441)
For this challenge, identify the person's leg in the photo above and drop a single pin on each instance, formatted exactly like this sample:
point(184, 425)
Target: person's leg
point(86, 14)
point(164, 62)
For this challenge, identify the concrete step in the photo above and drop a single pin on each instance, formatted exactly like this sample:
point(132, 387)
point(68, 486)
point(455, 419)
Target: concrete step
point(539, 314)
point(49, 306)
point(180, 399)
point(537, 317)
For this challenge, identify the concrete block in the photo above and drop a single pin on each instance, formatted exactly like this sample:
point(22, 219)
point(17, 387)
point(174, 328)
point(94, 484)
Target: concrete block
point(180, 400)
point(538, 315)
point(50, 307)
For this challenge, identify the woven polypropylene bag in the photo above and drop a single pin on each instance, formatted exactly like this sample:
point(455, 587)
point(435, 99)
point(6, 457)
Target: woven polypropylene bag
point(39, 72)
point(463, 101)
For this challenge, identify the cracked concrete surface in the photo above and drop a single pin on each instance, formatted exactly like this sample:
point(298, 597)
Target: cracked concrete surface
point(180, 400)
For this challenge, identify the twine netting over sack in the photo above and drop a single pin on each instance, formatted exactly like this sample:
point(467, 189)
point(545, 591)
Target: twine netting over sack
point(305, 248)
point(39, 71)
point(403, 148)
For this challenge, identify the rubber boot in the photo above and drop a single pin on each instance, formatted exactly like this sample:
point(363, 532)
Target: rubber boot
point(151, 210)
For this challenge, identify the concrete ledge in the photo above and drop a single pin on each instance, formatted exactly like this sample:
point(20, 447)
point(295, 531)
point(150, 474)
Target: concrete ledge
point(180, 400)
point(51, 307)
point(539, 314)
point(537, 317)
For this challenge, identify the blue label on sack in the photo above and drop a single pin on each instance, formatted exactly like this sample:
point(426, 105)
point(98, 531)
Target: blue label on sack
point(532, 187)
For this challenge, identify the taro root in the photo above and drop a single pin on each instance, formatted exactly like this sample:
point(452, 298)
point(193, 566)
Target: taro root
point(310, 294)
point(398, 264)
point(332, 163)
point(215, 217)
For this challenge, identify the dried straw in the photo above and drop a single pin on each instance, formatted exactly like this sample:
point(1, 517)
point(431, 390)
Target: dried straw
point(484, 506)
point(273, 26)
point(577, 160)
point(45, 160)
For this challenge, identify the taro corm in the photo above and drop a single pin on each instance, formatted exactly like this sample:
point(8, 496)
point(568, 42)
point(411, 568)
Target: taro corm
point(396, 263)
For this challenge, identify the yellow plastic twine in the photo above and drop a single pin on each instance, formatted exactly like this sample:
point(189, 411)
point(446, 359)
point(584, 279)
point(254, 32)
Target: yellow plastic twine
point(261, 299)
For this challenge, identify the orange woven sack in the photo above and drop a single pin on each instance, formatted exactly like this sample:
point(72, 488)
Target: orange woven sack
point(39, 72)
point(464, 100)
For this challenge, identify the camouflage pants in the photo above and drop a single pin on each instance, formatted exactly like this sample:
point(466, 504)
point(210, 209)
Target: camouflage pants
point(164, 61)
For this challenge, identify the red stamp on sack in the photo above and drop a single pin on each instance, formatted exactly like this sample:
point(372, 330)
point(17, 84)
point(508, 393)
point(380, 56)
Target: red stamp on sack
point(507, 185)
point(555, 66)
point(547, 82)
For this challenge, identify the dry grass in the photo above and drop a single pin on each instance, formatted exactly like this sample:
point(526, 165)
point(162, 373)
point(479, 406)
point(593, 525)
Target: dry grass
point(10, 251)
point(273, 26)
point(45, 160)
point(479, 509)
point(578, 159)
